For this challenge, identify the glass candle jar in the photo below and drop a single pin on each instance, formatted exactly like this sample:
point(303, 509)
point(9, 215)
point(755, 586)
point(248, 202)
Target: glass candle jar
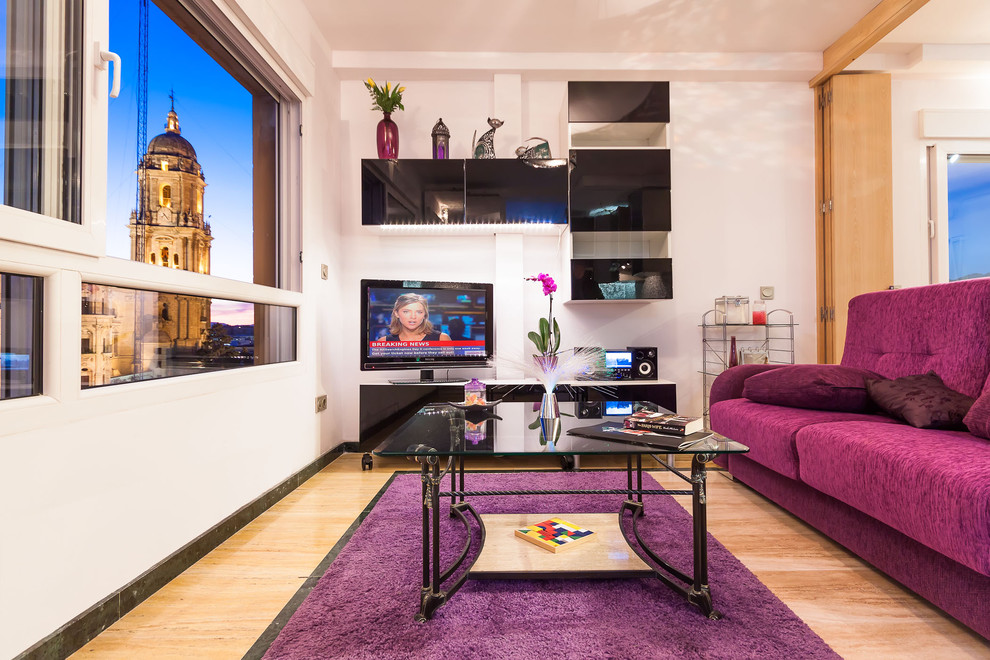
point(474, 393)
point(759, 312)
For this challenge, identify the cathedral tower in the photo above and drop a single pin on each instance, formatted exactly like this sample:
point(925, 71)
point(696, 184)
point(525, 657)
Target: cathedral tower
point(169, 227)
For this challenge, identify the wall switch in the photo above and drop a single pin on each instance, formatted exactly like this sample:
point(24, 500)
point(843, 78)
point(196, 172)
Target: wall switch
point(321, 403)
point(766, 293)
point(324, 271)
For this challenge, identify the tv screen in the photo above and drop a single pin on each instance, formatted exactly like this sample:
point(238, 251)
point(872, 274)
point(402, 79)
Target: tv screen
point(425, 325)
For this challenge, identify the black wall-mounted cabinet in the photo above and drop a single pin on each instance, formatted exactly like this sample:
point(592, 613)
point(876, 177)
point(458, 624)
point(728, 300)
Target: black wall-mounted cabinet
point(620, 190)
point(621, 279)
point(615, 102)
point(412, 191)
point(497, 191)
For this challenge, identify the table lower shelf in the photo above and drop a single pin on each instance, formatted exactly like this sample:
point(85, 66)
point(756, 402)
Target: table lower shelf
point(505, 556)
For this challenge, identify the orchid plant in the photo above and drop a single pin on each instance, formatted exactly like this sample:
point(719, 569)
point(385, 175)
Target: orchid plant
point(547, 340)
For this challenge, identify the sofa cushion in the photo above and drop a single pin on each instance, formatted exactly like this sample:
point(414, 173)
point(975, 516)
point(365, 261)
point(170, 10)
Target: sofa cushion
point(769, 430)
point(930, 485)
point(977, 420)
point(814, 386)
point(921, 400)
point(940, 327)
point(730, 383)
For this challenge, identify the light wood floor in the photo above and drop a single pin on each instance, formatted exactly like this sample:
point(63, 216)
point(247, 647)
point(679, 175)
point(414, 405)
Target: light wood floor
point(220, 606)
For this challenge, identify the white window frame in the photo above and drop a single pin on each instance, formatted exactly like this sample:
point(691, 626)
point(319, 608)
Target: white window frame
point(88, 237)
point(938, 201)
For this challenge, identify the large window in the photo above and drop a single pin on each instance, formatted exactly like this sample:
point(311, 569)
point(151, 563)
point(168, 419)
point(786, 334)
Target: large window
point(968, 216)
point(40, 123)
point(131, 334)
point(192, 149)
point(20, 335)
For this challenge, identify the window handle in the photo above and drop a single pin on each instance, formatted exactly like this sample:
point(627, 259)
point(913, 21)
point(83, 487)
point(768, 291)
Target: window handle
point(109, 56)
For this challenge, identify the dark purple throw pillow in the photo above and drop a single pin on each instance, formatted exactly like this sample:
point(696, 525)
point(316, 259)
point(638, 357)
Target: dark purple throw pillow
point(814, 386)
point(922, 401)
point(977, 420)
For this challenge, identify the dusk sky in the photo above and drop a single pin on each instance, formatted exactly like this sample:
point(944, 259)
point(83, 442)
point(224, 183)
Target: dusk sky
point(214, 115)
point(231, 312)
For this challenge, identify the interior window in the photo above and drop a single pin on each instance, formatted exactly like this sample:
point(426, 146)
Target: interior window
point(20, 335)
point(154, 334)
point(192, 149)
point(968, 179)
point(40, 126)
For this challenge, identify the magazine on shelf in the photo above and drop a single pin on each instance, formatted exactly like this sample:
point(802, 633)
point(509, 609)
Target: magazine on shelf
point(555, 534)
point(667, 423)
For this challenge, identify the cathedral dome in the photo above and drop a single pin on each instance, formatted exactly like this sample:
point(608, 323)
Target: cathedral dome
point(170, 143)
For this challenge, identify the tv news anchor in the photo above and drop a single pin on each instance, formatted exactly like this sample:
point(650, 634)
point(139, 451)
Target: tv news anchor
point(411, 321)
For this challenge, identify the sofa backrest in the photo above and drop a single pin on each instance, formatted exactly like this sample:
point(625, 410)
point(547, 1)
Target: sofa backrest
point(940, 327)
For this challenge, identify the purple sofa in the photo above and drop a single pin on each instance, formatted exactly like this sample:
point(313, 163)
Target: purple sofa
point(913, 502)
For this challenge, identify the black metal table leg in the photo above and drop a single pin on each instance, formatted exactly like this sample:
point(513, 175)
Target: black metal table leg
point(629, 473)
point(639, 476)
point(431, 597)
point(700, 593)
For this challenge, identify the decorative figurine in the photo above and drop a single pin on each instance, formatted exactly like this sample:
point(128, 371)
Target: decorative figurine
point(441, 140)
point(540, 150)
point(485, 147)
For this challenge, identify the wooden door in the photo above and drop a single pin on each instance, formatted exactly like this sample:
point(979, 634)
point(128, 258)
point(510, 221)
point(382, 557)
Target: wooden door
point(855, 208)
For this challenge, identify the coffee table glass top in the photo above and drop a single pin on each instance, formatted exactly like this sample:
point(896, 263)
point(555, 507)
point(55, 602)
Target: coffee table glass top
point(446, 430)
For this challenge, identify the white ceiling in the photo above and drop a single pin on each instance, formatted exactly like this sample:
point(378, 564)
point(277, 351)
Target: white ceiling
point(943, 38)
point(728, 37)
point(945, 22)
point(595, 26)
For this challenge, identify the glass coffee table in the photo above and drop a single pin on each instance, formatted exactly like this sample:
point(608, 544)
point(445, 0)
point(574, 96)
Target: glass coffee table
point(443, 437)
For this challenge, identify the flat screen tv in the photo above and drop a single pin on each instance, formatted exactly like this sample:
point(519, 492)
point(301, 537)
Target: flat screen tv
point(409, 324)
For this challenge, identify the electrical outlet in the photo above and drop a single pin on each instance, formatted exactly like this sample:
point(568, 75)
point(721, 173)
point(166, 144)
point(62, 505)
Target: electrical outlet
point(766, 293)
point(321, 403)
point(324, 271)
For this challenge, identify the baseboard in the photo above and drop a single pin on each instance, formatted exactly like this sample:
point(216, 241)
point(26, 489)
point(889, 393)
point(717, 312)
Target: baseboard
point(79, 631)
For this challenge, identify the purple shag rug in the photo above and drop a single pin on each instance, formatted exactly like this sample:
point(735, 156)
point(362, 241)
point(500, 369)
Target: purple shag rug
point(363, 606)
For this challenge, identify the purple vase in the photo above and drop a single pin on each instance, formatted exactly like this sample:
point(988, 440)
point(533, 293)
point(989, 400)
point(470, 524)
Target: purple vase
point(388, 137)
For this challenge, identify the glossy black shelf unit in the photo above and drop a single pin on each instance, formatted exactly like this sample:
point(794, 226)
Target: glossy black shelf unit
point(621, 279)
point(618, 102)
point(463, 191)
point(620, 190)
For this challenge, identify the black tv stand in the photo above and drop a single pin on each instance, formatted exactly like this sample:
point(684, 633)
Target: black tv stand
point(384, 407)
point(426, 378)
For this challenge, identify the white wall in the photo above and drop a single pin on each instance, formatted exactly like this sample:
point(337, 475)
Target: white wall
point(743, 216)
point(910, 171)
point(100, 485)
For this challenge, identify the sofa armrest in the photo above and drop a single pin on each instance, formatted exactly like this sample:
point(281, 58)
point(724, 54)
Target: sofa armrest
point(729, 383)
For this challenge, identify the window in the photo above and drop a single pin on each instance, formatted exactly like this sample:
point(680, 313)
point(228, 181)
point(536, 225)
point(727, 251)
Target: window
point(20, 335)
point(193, 117)
point(968, 178)
point(151, 334)
point(40, 126)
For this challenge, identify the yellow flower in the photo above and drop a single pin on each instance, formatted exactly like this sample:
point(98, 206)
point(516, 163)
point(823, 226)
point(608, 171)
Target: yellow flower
point(401, 89)
point(386, 87)
point(370, 83)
